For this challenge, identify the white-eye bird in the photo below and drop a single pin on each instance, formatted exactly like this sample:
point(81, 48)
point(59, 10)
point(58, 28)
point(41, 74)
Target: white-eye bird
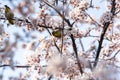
point(57, 33)
point(9, 15)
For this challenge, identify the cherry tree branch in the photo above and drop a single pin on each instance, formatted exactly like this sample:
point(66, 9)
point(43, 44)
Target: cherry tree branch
point(91, 5)
point(50, 77)
point(76, 53)
point(62, 27)
point(18, 19)
point(17, 66)
point(105, 27)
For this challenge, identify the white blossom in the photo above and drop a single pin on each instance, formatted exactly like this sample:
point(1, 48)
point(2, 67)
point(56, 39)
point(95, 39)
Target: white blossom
point(106, 17)
point(56, 65)
point(78, 13)
point(103, 72)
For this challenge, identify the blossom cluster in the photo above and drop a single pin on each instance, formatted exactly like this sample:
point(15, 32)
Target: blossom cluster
point(78, 13)
point(106, 17)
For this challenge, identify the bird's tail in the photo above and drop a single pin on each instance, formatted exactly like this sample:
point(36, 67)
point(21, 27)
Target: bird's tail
point(11, 21)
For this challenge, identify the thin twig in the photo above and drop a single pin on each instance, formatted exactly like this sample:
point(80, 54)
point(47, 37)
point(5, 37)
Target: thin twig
point(114, 55)
point(93, 19)
point(117, 12)
point(47, 28)
point(81, 45)
point(66, 20)
point(17, 66)
point(56, 46)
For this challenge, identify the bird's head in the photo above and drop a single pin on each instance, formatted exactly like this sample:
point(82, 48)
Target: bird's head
point(7, 7)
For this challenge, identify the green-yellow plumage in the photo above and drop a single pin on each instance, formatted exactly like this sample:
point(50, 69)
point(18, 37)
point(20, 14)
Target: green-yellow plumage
point(57, 33)
point(9, 15)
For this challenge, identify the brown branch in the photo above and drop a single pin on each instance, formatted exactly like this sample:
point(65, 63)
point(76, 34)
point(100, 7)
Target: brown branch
point(62, 32)
point(56, 46)
point(17, 66)
point(3, 18)
point(91, 5)
point(100, 42)
point(75, 50)
point(50, 27)
point(26, 21)
point(105, 27)
point(50, 77)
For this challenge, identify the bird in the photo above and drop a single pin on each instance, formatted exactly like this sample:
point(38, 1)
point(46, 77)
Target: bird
point(57, 33)
point(9, 15)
